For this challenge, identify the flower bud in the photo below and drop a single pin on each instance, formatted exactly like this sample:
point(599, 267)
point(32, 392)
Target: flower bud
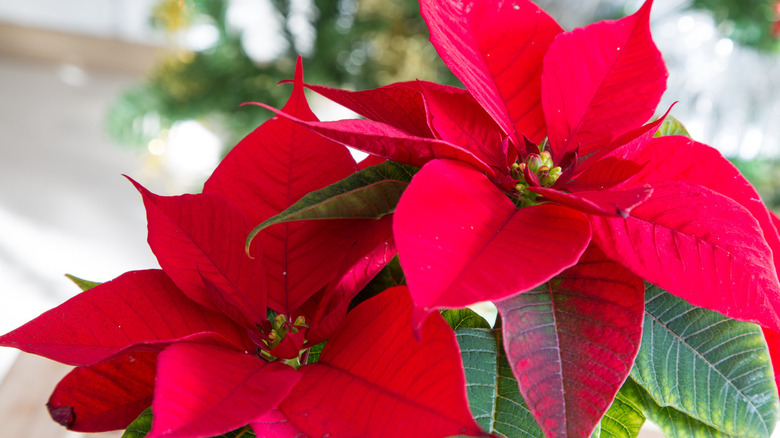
point(546, 159)
point(548, 178)
point(279, 321)
point(534, 162)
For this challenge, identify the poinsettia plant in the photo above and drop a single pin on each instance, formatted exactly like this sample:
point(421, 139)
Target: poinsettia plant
point(304, 294)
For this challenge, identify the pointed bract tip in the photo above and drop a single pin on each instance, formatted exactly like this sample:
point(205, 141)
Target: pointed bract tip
point(299, 71)
point(141, 189)
point(646, 7)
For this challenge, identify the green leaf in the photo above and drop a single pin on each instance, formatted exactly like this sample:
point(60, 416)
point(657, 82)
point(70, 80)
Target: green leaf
point(141, 426)
point(624, 418)
point(672, 422)
point(671, 126)
point(315, 352)
point(709, 367)
point(368, 194)
point(492, 390)
point(84, 285)
point(464, 318)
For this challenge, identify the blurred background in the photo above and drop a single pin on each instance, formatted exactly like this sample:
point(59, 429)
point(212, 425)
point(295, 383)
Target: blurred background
point(93, 89)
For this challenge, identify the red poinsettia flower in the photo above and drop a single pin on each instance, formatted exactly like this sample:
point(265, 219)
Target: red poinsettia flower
point(542, 167)
point(193, 340)
point(460, 235)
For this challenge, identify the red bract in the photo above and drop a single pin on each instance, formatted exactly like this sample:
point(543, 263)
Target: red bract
point(652, 207)
point(194, 339)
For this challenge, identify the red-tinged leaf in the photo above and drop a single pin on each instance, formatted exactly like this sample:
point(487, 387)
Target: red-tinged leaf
point(204, 390)
point(275, 424)
point(700, 164)
point(773, 342)
point(571, 343)
point(496, 50)
point(457, 118)
point(199, 242)
point(106, 396)
point(136, 308)
point(600, 82)
point(374, 379)
point(400, 105)
point(386, 141)
point(699, 245)
point(460, 240)
point(600, 202)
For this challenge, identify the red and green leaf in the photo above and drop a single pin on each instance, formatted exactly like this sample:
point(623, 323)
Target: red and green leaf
point(571, 343)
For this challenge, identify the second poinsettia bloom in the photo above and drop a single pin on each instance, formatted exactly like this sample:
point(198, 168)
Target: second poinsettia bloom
point(545, 152)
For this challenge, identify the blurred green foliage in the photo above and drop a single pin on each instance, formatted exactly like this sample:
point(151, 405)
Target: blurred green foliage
point(357, 44)
point(747, 22)
point(765, 176)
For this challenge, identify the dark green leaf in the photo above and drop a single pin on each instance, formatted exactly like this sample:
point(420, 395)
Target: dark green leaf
point(84, 285)
point(672, 422)
point(709, 367)
point(464, 318)
point(141, 426)
point(368, 194)
point(624, 418)
point(671, 126)
point(494, 397)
